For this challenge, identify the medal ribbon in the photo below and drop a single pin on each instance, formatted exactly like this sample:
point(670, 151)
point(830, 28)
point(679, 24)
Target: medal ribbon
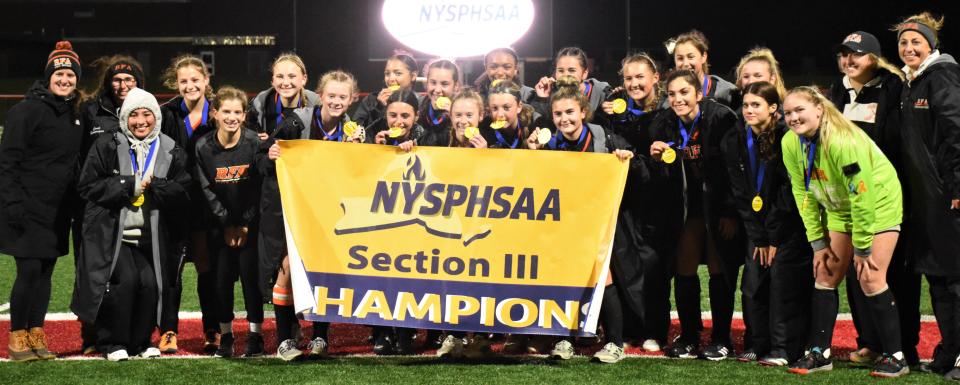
point(557, 141)
point(436, 121)
point(634, 111)
point(757, 172)
point(502, 141)
point(683, 129)
point(337, 135)
point(203, 116)
point(146, 166)
point(811, 151)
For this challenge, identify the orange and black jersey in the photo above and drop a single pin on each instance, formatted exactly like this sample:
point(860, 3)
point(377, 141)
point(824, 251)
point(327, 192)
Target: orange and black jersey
point(229, 178)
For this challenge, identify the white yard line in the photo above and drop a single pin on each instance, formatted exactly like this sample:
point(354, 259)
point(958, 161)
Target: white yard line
point(4, 307)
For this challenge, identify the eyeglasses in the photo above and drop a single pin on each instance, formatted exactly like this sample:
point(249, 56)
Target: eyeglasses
point(127, 81)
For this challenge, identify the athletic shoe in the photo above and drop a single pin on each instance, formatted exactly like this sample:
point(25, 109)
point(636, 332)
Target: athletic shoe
point(651, 345)
point(168, 343)
point(775, 358)
point(863, 357)
point(541, 344)
point(516, 344)
point(610, 354)
point(383, 346)
point(118, 355)
point(452, 347)
point(562, 350)
point(952, 375)
point(404, 345)
point(19, 347)
point(38, 343)
point(89, 349)
point(254, 346)
point(682, 349)
point(716, 352)
point(148, 353)
point(226, 346)
point(477, 347)
point(890, 366)
point(747, 356)
point(317, 347)
point(814, 361)
point(288, 351)
point(211, 341)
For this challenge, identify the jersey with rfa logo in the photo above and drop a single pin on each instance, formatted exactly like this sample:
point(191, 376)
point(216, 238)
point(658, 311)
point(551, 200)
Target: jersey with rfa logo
point(229, 178)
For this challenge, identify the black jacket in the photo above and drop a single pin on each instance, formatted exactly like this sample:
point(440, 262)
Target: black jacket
point(778, 222)
point(229, 179)
point(931, 164)
point(107, 184)
point(885, 128)
point(39, 160)
point(371, 113)
point(436, 128)
point(175, 127)
point(99, 116)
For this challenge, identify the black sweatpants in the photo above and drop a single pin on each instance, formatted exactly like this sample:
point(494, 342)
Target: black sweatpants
point(945, 296)
point(658, 268)
point(232, 263)
point(206, 291)
point(30, 295)
point(128, 312)
point(791, 285)
point(755, 296)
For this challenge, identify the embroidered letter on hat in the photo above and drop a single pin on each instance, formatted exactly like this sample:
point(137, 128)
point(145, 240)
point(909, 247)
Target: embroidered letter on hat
point(854, 37)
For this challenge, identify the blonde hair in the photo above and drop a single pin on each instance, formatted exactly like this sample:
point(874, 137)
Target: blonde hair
point(926, 18)
point(764, 55)
point(833, 124)
point(292, 58)
point(339, 76)
point(183, 61)
point(644, 58)
point(466, 94)
point(229, 93)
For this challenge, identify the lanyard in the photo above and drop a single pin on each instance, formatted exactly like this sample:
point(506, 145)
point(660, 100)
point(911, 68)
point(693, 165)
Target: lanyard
point(337, 135)
point(587, 89)
point(634, 111)
point(502, 141)
point(683, 129)
point(279, 107)
point(557, 141)
point(811, 151)
point(706, 84)
point(146, 166)
point(757, 172)
point(435, 121)
point(203, 116)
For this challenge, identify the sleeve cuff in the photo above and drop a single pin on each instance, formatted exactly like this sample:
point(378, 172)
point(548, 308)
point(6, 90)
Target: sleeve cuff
point(862, 253)
point(819, 244)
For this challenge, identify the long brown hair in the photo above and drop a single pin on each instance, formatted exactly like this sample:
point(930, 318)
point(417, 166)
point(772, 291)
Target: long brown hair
point(768, 135)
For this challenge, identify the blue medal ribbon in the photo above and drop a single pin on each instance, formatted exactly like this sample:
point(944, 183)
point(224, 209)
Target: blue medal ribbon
point(757, 172)
point(503, 142)
point(558, 142)
point(811, 152)
point(435, 121)
point(337, 135)
point(683, 129)
point(706, 84)
point(146, 165)
point(632, 110)
point(203, 115)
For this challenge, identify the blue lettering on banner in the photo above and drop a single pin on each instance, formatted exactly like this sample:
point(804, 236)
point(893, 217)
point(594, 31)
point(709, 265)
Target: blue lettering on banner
point(468, 13)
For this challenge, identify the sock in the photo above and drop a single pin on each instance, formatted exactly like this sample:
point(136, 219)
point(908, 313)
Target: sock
point(883, 310)
point(255, 327)
point(282, 296)
point(687, 297)
point(824, 306)
point(226, 327)
point(611, 312)
point(285, 319)
point(320, 330)
point(721, 307)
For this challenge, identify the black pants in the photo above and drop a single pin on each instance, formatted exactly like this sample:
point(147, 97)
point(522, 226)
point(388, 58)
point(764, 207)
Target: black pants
point(232, 263)
point(128, 313)
point(905, 286)
point(791, 284)
point(30, 295)
point(206, 291)
point(658, 268)
point(755, 295)
point(945, 296)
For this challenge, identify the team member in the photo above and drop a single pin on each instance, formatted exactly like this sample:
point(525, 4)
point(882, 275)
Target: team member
point(134, 181)
point(399, 73)
point(226, 174)
point(776, 279)
point(850, 201)
point(570, 61)
point(466, 111)
point(443, 81)
point(868, 94)
point(695, 126)
point(501, 64)
point(689, 52)
point(628, 114)
point(286, 103)
point(38, 159)
point(930, 138)
point(760, 65)
point(509, 118)
point(186, 118)
point(571, 112)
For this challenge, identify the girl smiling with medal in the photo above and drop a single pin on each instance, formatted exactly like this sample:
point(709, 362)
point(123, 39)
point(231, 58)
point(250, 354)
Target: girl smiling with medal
point(776, 296)
point(850, 201)
point(399, 73)
point(443, 81)
point(509, 119)
point(571, 61)
point(689, 52)
point(501, 64)
point(697, 192)
point(466, 113)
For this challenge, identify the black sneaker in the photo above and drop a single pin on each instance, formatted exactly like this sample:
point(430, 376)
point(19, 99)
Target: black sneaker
point(716, 352)
point(404, 346)
point(254, 346)
point(814, 361)
point(225, 350)
point(682, 349)
point(890, 366)
point(747, 356)
point(383, 345)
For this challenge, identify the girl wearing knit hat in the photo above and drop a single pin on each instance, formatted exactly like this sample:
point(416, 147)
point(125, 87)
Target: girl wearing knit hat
point(38, 157)
point(126, 226)
point(930, 141)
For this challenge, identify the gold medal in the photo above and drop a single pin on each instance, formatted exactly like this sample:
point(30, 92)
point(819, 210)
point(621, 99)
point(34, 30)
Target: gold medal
point(619, 106)
point(757, 203)
point(470, 132)
point(350, 128)
point(495, 82)
point(543, 136)
point(668, 156)
point(395, 132)
point(137, 201)
point(442, 103)
point(394, 87)
point(498, 124)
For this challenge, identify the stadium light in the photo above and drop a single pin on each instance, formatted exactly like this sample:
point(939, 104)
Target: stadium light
point(457, 28)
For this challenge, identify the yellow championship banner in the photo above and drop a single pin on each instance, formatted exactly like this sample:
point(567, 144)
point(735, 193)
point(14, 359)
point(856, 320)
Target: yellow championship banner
point(507, 241)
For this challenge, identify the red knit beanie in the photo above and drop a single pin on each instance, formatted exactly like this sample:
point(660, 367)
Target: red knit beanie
point(62, 57)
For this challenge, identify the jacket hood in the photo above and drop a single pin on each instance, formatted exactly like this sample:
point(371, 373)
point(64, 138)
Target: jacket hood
point(40, 91)
point(136, 99)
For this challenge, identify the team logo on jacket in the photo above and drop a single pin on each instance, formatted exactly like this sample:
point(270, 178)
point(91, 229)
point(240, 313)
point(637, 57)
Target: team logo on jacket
point(232, 174)
point(921, 104)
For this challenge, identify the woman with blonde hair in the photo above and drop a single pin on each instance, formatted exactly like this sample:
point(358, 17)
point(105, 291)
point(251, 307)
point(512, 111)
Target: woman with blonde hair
point(759, 65)
point(851, 205)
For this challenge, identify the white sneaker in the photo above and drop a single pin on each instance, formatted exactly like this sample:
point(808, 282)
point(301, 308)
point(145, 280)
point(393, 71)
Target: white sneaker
point(288, 351)
point(651, 345)
point(562, 350)
point(118, 355)
point(610, 354)
point(150, 352)
point(318, 347)
point(452, 347)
